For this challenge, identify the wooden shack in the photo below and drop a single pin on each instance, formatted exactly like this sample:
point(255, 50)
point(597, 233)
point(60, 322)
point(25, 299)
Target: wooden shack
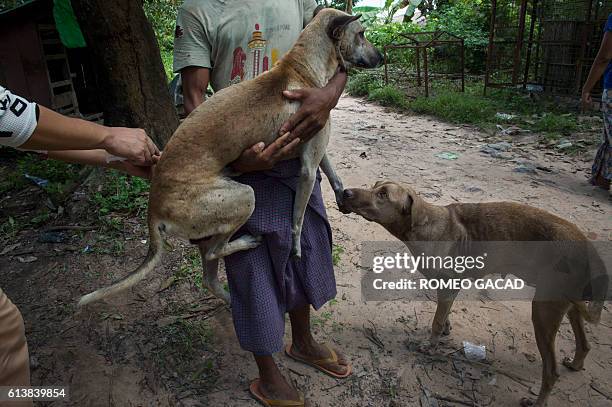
point(36, 64)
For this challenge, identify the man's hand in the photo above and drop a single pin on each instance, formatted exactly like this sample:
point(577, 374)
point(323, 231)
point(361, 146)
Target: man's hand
point(131, 144)
point(311, 117)
point(316, 103)
point(259, 157)
point(587, 101)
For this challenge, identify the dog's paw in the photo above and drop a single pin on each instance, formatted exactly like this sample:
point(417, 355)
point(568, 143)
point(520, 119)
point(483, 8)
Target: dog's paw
point(447, 328)
point(573, 364)
point(219, 292)
point(527, 402)
point(296, 253)
point(296, 249)
point(225, 296)
point(253, 241)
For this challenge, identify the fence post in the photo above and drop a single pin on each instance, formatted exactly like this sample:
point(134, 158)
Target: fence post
point(462, 66)
point(490, 47)
point(386, 71)
point(426, 72)
point(418, 66)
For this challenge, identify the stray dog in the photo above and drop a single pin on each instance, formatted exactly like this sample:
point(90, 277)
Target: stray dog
point(192, 196)
point(409, 218)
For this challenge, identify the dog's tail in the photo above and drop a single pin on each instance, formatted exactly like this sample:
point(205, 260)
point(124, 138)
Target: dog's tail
point(154, 255)
point(592, 312)
point(597, 290)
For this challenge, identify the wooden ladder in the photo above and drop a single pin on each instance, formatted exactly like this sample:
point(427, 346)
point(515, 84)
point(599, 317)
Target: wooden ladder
point(63, 95)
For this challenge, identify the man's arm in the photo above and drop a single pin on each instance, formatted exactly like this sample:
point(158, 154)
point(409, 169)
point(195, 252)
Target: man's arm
point(99, 158)
point(26, 125)
point(598, 68)
point(56, 132)
point(195, 82)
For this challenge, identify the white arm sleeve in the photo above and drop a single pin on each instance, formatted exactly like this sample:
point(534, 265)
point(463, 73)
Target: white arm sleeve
point(18, 119)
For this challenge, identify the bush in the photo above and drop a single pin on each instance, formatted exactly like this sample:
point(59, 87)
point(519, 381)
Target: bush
point(466, 19)
point(456, 107)
point(558, 123)
point(361, 84)
point(470, 21)
point(383, 34)
point(388, 96)
point(61, 176)
point(162, 15)
point(121, 193)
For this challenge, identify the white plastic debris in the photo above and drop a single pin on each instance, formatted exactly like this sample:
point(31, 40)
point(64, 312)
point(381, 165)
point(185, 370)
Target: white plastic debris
point(505, 116)
point(474, 352)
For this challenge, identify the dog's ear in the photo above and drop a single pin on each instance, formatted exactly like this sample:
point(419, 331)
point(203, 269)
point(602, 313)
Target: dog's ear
point(338, 24)
point(316, 11)
point(407, 205)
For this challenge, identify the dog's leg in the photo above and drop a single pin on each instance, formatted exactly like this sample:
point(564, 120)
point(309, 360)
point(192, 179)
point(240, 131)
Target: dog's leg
point(310, 158)
point(302, 195)
point(440, 324)
point(214, 218)
point(229, 205)
point(210, 278)
point(335, 181)
point(220, 246)
point(582, 343)
point(310, 163)
point(546, 317)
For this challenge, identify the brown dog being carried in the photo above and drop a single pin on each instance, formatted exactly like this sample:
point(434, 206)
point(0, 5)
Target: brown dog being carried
point(191, 195)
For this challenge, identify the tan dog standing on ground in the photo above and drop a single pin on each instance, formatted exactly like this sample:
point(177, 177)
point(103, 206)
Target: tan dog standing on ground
point(191, 195)
point(409, 218)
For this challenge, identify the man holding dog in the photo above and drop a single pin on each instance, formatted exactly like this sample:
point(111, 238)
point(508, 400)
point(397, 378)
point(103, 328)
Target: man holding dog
point(221, 43)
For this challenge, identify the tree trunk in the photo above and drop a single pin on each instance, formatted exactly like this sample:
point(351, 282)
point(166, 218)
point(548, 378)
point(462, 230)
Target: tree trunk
point(131, 77)
point(349, 6)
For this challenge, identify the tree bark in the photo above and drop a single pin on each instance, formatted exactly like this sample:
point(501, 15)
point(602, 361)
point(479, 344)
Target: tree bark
point(349, 6)
point(131, 78)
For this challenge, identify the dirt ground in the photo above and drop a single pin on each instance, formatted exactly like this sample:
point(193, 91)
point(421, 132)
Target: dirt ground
point(168, 343)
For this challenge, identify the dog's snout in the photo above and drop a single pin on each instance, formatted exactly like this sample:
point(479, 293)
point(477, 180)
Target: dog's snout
point(347, 194)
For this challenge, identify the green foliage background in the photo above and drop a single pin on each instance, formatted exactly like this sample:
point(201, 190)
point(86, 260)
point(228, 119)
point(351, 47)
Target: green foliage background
point(339, 4)
point(9, 4)
point(468, 19)
point(162, 15)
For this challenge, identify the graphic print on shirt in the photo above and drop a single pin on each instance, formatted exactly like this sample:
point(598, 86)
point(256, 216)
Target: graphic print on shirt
point(238, 65)
point(257, 45)
point(257, 62)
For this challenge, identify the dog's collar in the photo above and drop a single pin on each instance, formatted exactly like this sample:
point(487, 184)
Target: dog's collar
point(341, 61)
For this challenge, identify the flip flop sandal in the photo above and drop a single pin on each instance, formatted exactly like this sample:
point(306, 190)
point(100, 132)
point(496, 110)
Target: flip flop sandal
point(318, 363)
point(256, 393)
